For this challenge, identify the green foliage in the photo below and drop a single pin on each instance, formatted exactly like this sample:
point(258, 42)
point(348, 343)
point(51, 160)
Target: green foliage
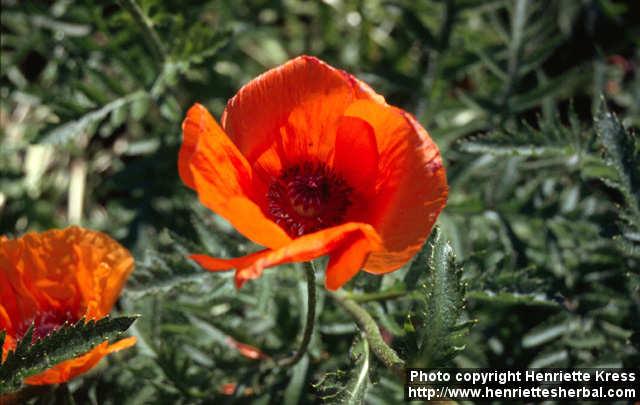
point(621, 150)
point(552, 139)
point(622, 153)
point(88, 122)
point(591, 324)
point(435, 328)
point(161, 271)
point(348, 387)
point(542, 212)
point(296, 386)
point(32, 357)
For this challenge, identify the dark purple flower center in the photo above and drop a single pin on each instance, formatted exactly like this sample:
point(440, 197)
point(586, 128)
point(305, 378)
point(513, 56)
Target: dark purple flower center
point(307, 198)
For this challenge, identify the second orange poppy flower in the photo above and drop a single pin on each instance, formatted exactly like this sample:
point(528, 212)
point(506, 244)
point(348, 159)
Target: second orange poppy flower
point(310, 161)
point(55, 277)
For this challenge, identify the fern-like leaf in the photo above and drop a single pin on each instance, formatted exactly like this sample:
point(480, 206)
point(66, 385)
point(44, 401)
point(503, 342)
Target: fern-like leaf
point(622, 153)
point(437, 328)
point(69, 341)
point(552, 139)
point(89, 122)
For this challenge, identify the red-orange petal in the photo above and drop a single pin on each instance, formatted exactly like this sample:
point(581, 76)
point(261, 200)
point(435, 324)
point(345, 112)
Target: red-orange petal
point(304, 248)
point(203, 136)
point(75, 269)
point(248, 351)
point(411, 187)
point(197, 123)
point(104, 266)
point(221, 176)
point(9, 304)
point(305, 93)
point(356, 153)
point(346, 261)
point(69, 369)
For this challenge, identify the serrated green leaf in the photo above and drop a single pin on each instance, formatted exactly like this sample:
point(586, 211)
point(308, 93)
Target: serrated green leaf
point(419, 266)
point(64, 343)
point(622, 153)
point(438, 335)
point(553, 139)
point(66, 132)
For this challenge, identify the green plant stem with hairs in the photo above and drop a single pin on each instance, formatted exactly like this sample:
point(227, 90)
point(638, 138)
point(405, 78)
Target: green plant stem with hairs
point(310, 275)
point(368, 325)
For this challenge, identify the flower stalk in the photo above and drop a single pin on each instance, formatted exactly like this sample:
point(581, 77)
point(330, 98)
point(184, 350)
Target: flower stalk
point(368, 325)
point(310, 276)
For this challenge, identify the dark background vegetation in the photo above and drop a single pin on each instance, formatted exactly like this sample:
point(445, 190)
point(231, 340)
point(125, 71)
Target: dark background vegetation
point(543, 214)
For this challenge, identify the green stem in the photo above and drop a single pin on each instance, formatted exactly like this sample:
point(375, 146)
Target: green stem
point(368, 325)
point(150, 34)
point(311, 317)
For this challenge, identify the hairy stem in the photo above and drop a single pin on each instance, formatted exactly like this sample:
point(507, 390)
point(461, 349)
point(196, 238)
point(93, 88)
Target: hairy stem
point(368, 325)
point(311, 317)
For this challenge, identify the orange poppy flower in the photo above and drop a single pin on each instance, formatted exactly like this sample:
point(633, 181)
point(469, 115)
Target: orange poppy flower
point(60, 276)
point(310, 161)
